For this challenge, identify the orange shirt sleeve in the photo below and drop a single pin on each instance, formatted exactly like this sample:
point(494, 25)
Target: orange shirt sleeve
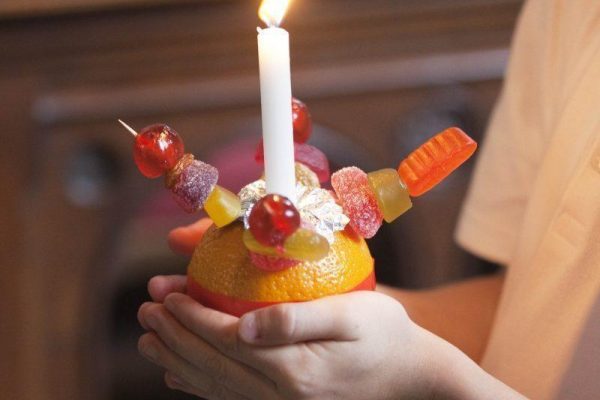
point(491, 218)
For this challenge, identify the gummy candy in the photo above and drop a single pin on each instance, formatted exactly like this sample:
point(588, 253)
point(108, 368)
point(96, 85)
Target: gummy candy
point(302, 121)
point(435, 160)
point(254, 246)
point(194, 184)
point(172, 175)
point(156, 149)
point(391, 193)
point(314, 159)
point(306, 154)
point(223, 206)
point(306, 245)
point(272, 219)
point(358, 200)
point(302, 245)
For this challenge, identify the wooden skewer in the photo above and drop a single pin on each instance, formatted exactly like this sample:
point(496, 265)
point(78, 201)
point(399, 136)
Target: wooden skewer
point(130, 129)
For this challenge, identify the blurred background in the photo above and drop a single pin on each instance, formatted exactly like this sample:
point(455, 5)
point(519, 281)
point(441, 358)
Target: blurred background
point(82, 231)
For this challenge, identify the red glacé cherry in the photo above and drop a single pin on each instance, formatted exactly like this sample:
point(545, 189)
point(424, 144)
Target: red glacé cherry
point(272, 219)
point(302, 121)
point(156, 149)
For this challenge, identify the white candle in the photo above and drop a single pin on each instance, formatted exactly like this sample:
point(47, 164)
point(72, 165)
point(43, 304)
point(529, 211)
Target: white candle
point(276, 101)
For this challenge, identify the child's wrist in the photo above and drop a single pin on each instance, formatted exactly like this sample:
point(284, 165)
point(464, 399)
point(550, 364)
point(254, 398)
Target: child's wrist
point(456, 376)
point(447, 372)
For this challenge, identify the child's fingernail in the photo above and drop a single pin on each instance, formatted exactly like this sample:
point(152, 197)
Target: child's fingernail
point(248, 330)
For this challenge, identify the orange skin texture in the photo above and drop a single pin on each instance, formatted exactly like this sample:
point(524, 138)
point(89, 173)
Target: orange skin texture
point(222, 276)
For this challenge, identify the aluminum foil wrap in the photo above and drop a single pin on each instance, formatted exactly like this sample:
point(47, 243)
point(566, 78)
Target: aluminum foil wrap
point(317, 207)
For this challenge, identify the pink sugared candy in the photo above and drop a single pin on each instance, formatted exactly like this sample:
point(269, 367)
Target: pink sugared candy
point(194, 184)
point(354, 192)
point(306, 154)
point(271, 263)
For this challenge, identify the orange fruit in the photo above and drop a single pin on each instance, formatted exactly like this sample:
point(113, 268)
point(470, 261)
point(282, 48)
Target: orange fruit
point(221, 275)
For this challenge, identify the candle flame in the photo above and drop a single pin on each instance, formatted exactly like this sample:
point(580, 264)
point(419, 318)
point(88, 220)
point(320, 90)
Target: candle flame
point(273, 11)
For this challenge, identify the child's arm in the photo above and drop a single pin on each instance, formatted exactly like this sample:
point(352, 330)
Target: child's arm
point(461, 313)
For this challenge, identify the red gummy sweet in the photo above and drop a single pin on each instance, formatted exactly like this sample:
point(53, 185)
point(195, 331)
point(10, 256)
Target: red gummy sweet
point(271, 263)
point(272, 219)
point(156, 149)
point(435, 160)
point(302, 121)
point(306, 154)
point(354, 192)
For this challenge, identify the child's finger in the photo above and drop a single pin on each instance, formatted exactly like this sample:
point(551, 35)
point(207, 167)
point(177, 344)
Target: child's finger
point(329, 318)
point(184, 239)
point(160, 287)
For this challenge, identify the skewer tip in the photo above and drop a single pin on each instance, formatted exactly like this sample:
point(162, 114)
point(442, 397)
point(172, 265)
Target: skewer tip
point(130, 129)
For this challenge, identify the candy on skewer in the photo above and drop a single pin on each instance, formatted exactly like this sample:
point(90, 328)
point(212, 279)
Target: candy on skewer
point(391, 193)
point(129, 128)
point(277, 237)
point(273, 219)
point(352, 187)
point(159, 150)
point(435, 160)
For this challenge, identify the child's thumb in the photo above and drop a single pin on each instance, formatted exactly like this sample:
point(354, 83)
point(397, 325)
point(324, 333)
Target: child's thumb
point(289, 323)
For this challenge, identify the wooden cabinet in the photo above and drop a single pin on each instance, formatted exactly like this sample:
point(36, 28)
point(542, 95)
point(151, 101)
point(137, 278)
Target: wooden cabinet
point(379, 77)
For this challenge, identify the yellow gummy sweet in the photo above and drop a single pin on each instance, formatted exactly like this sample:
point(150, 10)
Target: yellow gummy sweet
point(223, 206)
point(306, 245)
point(254, 246)
point(391, 193)
point(302, 245)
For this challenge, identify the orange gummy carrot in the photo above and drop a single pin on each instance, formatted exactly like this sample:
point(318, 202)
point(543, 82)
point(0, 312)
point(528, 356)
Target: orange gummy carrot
point(435, 160)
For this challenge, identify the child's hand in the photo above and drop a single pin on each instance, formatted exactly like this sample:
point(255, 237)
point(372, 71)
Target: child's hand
point(184, 239)
point(354, 346)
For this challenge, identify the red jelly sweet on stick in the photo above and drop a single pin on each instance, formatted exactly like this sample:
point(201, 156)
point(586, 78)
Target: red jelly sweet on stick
point(156, 150)
point(302, 121)
point(435, 160)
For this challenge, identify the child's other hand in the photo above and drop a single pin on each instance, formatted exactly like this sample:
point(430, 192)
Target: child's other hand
point(183, 240)
point(360, 345)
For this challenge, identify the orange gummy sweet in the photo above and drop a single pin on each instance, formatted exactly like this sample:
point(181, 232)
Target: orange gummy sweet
point(435, 160)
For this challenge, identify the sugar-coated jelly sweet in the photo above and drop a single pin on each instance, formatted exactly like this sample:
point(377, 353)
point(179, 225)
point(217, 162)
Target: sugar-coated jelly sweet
point(358, 200)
